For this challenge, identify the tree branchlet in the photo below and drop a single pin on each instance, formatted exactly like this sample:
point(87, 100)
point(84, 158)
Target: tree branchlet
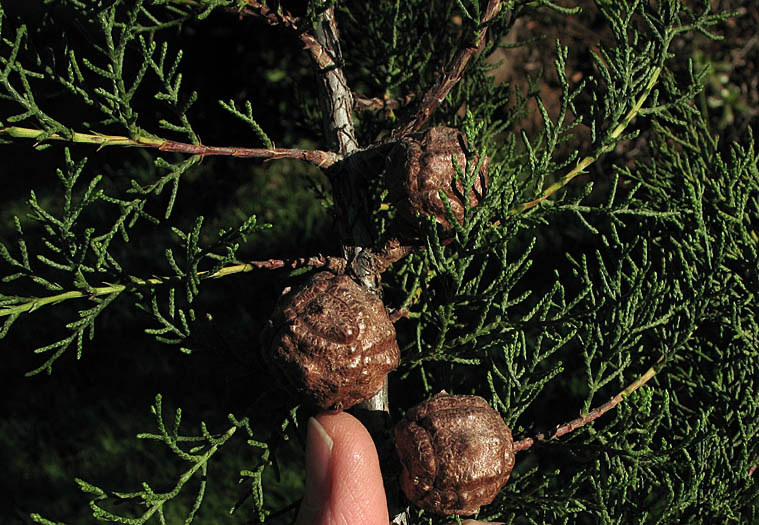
point(322, 262)
point(321, 159)
point(453, 74)
point(566, 428)
point(270, 16)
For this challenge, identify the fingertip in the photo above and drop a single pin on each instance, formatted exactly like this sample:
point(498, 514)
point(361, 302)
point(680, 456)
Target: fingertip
point(357, 494)
point(319, 447)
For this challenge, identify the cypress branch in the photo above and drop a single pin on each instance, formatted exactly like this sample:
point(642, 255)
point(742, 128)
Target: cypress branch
point(608, 145)
point(322, 159)
point(571, 426)
point(453, 74)
point(29, 305)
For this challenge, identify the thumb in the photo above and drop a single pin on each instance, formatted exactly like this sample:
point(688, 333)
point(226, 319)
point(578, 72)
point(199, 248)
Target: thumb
point(343, 477)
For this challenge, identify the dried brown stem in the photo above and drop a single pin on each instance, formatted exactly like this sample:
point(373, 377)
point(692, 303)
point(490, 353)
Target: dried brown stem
point(326, 262)
point(594, 414)
point(454, 72)
point(322, 159)
point(397, 315)
point(321, 58)
point(273, 18)
point(386, 104)
point(391, 252)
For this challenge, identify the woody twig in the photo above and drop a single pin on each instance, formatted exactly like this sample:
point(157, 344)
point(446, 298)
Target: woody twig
point(271, 17)
point(322, 159)
point(454, 72)
point(594, 414)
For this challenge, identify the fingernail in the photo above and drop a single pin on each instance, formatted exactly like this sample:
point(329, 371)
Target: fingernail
point(318, 459)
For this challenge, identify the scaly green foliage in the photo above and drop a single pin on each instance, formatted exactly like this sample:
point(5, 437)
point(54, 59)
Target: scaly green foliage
point(549, 298)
